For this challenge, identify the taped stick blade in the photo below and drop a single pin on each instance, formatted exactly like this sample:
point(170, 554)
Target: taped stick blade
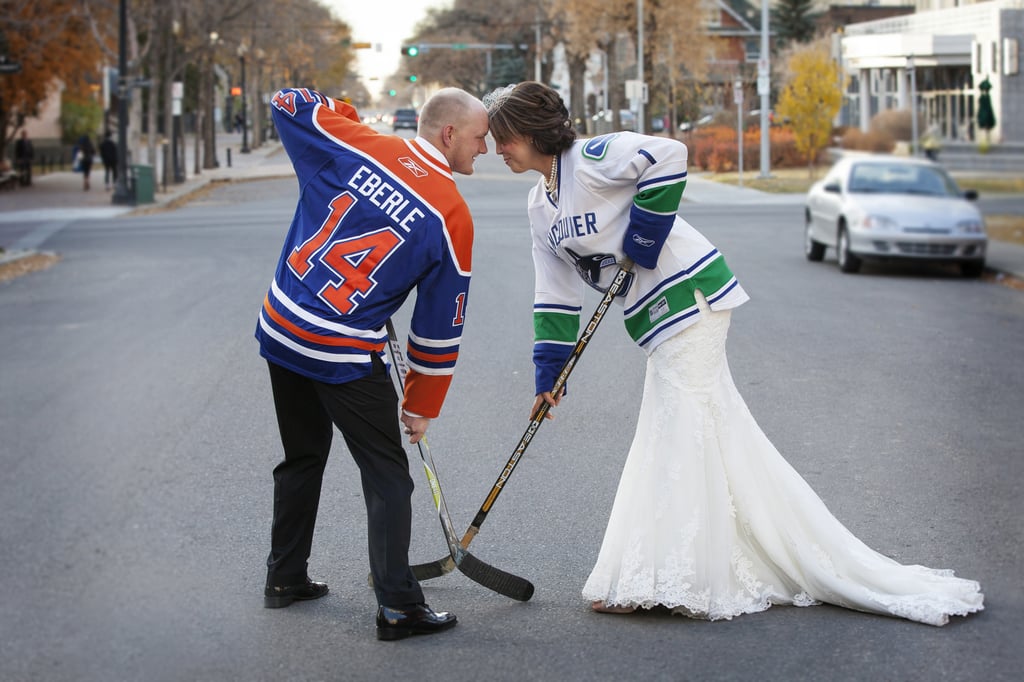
point(507, 584)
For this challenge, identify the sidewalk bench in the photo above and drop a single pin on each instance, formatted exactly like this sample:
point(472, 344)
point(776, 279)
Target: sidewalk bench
point(9, 179)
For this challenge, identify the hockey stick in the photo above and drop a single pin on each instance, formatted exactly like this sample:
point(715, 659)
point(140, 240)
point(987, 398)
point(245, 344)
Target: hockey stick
point(446, 565)
point(492, 578)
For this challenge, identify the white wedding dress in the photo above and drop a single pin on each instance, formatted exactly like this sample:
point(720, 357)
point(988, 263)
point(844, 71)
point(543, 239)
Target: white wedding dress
point(710, 520)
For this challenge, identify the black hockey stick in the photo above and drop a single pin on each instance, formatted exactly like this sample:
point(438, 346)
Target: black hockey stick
point(446, 565)
point(492, 578)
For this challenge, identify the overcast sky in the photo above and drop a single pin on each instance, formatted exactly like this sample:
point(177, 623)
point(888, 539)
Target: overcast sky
point(386, 23)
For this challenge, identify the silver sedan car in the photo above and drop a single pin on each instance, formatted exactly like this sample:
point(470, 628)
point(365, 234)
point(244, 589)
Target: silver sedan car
point(882, 207)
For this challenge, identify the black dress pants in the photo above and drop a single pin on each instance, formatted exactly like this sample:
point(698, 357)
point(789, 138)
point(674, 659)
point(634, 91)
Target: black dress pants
point(366, 413)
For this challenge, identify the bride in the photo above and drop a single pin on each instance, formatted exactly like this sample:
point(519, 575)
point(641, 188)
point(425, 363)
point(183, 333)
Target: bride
point(709, 520)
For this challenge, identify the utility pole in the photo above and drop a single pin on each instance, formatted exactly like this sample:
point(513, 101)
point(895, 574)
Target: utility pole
point(245, 95)
point(536, 49)
point(764, 89)
point(121, 193)
point(642, 95)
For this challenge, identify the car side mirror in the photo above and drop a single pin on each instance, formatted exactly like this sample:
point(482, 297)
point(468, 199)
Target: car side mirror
point(832, 187)
point(971, 195)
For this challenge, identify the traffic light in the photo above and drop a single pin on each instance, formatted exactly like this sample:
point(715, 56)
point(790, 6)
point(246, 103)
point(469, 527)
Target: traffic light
point(410, 50)
point(413, 79)
point(392, 93)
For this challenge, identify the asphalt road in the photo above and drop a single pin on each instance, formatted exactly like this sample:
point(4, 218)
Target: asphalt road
point(139, 437)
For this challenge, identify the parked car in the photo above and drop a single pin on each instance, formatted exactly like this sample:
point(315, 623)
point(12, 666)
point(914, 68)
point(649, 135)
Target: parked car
point(627, 118)
point(405, 118)
point(687, 126)
point(883, 207)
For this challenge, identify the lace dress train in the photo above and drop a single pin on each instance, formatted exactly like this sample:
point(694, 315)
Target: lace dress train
point(711, 521)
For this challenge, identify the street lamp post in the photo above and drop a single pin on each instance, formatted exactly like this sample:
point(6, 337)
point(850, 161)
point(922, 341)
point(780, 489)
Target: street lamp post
point(211, 120)
point(245, 95)
point(257, 101)
point(121, 193)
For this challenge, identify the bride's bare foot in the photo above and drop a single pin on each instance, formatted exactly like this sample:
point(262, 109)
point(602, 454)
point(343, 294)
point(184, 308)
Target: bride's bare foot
point(600, 607)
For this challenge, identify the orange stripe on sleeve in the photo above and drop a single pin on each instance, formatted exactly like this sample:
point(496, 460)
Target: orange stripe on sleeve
point(433, 357)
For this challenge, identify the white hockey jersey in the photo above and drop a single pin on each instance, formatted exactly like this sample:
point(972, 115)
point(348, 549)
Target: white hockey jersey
point(608, 186)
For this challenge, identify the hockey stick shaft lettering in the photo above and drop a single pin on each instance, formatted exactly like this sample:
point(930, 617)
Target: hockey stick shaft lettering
point(490, 577)
point(563, 376)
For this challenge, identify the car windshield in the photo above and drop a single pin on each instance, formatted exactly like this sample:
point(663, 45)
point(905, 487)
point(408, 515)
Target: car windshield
point(899, 178)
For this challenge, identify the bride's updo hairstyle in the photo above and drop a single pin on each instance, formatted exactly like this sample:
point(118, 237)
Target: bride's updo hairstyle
point(532, 111)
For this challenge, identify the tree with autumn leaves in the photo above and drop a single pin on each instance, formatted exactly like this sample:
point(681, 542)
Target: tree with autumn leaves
point(54, 47)
point(64, 45)
point(811, 98)
point(676, 46)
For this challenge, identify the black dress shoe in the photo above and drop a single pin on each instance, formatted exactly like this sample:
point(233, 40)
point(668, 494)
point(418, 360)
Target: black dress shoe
point(395, 624)
point(279, 596)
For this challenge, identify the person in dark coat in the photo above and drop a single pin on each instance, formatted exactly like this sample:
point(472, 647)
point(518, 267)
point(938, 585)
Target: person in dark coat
point(87, 151)
point(23, 155)
point(108, 155)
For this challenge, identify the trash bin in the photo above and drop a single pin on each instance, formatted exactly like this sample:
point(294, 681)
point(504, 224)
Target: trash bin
point(143, 184)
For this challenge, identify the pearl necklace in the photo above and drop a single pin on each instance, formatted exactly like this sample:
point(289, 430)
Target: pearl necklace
point(551, 183)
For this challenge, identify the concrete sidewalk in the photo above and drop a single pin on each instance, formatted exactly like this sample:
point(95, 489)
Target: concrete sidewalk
point(57, 198)
point(702, 191)
point(61, 192)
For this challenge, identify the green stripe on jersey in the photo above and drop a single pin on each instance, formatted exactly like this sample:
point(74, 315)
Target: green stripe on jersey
point(678, 298)
point(661, 199)
point(549, 326)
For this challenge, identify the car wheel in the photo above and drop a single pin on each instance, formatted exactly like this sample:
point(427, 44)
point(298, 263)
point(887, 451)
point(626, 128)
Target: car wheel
point(972, 268)
point(814, 251)
point(847, 261)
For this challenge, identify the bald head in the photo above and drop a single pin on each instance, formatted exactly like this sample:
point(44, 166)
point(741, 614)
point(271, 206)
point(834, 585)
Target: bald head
point(455, 122)
point(447, 106)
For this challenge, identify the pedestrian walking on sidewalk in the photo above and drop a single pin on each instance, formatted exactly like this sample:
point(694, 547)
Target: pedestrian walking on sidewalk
point(379, 216)
point(86, 152)
point(24, 153)
point(108, 155)
point(709, 520)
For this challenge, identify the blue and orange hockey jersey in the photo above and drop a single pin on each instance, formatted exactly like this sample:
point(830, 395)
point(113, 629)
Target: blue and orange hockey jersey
point(378, 216)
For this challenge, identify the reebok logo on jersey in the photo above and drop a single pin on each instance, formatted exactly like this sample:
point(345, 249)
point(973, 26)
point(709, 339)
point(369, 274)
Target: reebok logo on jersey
point(413, 167)
point(642, 241)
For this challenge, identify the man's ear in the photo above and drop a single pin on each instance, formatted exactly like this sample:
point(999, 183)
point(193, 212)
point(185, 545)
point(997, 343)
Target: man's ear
point(448, 135)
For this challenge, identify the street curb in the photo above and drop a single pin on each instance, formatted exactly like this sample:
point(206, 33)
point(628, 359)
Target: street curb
point(185, 196)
